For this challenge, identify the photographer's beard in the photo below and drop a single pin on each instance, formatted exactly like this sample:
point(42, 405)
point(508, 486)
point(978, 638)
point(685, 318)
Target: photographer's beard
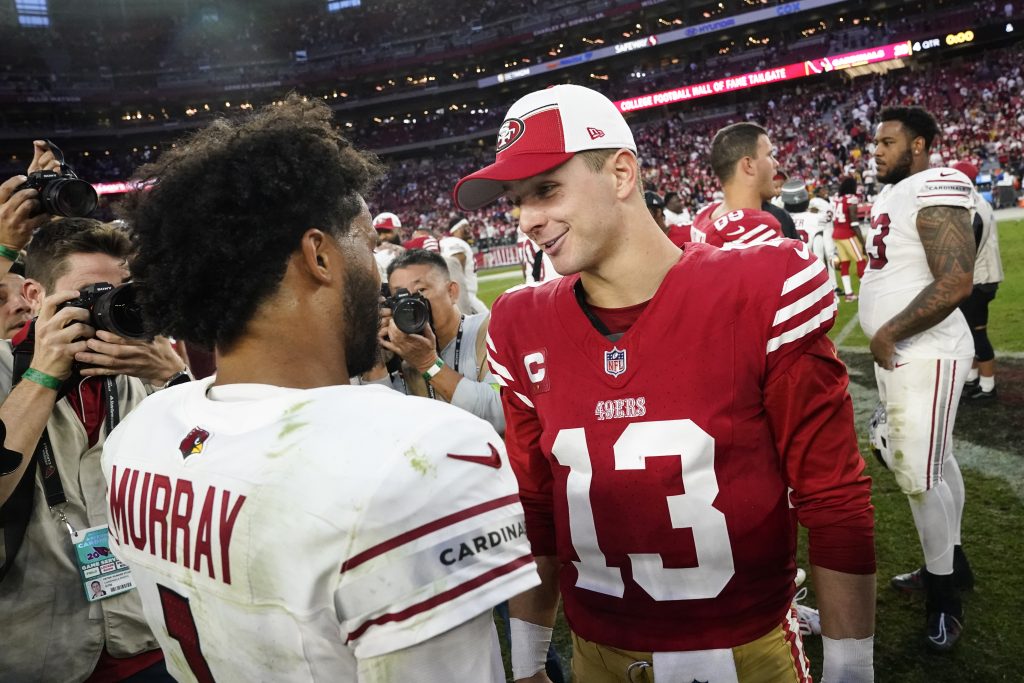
point(362, 318)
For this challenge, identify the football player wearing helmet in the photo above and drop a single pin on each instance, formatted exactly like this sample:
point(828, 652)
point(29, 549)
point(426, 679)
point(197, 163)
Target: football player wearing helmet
point(844, 232)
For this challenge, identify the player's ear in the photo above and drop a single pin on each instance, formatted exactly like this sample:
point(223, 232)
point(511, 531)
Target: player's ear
point(626, 171)
point(314, 257)
point(34, 294)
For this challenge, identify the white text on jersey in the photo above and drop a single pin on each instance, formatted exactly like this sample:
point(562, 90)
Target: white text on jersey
point(621, 408)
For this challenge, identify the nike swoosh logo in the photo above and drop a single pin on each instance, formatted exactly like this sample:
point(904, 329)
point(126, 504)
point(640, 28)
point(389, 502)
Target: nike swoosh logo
point(734, 232)
point(946, 175)
point(492, 460)
point(899, 365)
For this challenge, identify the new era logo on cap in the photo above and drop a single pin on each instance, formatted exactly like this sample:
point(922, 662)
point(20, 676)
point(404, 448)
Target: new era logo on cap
point(541, 131)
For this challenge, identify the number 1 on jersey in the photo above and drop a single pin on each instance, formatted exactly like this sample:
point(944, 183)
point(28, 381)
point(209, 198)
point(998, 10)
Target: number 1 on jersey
point(691, 510)
point(181, 626)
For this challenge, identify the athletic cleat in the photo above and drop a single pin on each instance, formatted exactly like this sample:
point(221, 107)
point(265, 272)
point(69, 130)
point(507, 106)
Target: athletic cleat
point(807, 617)
point(911, 582)
point(914, 582)
point(944, 631)
point(971, 384)
point(979, 394)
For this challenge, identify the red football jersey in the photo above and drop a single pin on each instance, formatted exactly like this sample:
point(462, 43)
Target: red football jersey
point(656, 467)
point(745, 226)
point(841, 227)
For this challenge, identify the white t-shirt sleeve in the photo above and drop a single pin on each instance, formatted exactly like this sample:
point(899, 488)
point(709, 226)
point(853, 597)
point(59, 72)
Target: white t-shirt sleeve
point(441, 541)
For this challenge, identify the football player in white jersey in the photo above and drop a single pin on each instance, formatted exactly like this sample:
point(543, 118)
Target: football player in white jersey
point(812, 225)
point(455, 245)
point(920, 264)
point(279, 523)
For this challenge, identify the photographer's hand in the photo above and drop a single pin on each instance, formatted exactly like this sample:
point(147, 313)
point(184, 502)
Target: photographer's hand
point(60, 335)
point(42, 158)
point(16, 220)
point(418, 350)
point(110, 354)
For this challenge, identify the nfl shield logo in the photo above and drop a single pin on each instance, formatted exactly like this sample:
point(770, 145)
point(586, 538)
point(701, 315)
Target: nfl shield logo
point(615, 361)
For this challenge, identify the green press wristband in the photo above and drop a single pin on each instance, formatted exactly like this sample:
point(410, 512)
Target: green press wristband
point(432, 371)
point(8, 253)
point(42, 379)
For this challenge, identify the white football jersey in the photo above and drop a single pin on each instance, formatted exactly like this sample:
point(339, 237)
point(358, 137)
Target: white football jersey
point(454, 245)
point(823, 208)
point(283, 534)
point(809, 225)
point(897, 268)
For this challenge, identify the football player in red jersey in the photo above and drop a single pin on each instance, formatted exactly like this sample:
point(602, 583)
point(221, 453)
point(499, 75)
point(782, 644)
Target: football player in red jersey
point(742, 158)
point(657, 486)
point(849, 245)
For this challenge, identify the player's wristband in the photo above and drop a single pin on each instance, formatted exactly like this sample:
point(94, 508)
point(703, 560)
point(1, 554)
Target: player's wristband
point(8, 253)
point(431, 372)
point(530, 644)
point(850, 660)
point(42, 379)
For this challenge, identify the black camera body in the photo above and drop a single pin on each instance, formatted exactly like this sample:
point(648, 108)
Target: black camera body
point(411, 312)
point(111, 308)
point(62, 194)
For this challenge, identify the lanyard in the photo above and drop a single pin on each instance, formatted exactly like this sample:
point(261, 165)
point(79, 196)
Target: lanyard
point(52, 485)
point(458, 353)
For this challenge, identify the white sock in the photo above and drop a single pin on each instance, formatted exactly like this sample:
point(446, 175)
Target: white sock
point(987, 383)
point(955, 480)
point(972, 375)
point(847, 284)
point(934, 513)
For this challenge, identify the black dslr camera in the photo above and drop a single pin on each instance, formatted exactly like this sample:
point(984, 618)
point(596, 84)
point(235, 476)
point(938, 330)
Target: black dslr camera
point(61, 193)
point(111, 308)
point(411, 312)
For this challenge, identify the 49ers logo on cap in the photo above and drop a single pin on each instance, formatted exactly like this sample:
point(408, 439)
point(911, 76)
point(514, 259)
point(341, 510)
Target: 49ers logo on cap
point(510, 131)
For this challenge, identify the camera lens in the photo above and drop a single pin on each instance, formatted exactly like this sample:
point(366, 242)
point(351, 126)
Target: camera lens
point(69, 197)
point(117, 312)
point(411, 315)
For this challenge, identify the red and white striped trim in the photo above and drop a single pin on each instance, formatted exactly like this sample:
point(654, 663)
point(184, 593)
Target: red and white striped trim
point(791, 633)
point(808, 303)
point(424, 529)
point(440, 598)
point(942, 406)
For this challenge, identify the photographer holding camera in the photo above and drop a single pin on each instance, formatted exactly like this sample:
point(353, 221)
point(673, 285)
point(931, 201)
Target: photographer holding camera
point(77, 380)
point(443, 352)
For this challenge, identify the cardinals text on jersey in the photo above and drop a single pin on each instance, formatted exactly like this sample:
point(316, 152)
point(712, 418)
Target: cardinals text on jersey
point(659, 487)
point(742, 226)
point(897, 267)
point(283, 533)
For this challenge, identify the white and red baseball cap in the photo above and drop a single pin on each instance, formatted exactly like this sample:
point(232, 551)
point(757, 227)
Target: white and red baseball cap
point(386, 221)
point(543, 130)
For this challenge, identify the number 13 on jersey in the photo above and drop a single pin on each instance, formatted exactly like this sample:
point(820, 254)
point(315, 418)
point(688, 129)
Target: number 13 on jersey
point(691, 510)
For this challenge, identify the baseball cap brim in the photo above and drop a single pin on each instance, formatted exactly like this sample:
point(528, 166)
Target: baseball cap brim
point(481, 188)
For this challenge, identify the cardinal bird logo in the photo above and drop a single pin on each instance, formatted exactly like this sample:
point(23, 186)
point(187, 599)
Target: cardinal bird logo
point(194, 442)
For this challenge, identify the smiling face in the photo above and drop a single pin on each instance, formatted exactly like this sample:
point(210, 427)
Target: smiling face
point(571, 213)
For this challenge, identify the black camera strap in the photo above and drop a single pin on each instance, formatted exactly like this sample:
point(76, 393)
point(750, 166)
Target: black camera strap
point(16, 512)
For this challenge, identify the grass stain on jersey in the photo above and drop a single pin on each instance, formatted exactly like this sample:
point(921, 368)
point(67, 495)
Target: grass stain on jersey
point(290, 427)
point(296, 408)
point(419, 462)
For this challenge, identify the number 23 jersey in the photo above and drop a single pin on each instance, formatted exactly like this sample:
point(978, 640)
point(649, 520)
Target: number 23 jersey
point(650, 466)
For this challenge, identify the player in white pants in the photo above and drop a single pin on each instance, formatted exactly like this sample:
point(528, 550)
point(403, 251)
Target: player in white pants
point(921, 258)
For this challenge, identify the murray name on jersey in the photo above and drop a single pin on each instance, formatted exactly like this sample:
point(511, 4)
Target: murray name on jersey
point(154, 512)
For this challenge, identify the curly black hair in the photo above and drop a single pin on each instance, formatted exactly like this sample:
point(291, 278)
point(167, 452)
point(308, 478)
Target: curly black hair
point(220, 214)
point(917, 121)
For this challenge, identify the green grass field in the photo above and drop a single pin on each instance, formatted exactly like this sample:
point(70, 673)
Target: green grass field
point(988, 447)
